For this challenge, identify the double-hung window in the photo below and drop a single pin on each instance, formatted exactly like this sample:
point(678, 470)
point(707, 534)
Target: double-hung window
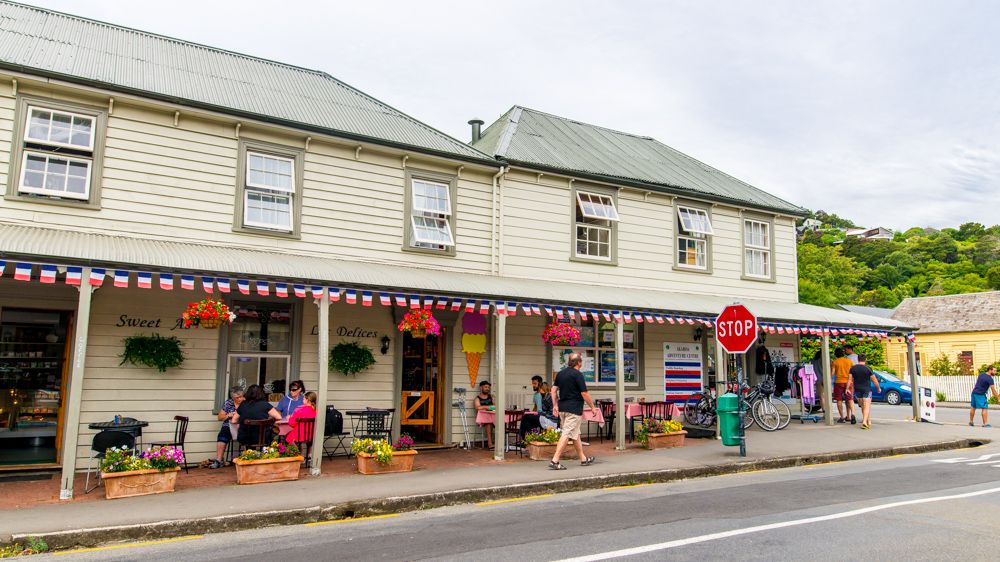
point(595, 218)
point(58, 151)
point(757, 248)
point(429, 219)
point(269, 189)
point(693, 230)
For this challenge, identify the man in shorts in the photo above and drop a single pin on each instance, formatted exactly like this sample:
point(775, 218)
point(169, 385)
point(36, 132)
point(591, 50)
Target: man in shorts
point(863, 379)
point(569, 391)
point(983, 383)
point(226, 434)
point(842, 386)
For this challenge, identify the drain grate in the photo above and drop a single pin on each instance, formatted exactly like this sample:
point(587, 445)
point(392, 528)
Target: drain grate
point(26, 477)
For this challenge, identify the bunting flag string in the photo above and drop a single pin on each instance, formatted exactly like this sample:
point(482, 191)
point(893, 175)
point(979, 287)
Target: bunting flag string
point(384, 299)
point(281, 289)
point(48, 275)
point(97, 276)
point(223, 285)
point(207, 283)
point(300, 290)
point(121, 278)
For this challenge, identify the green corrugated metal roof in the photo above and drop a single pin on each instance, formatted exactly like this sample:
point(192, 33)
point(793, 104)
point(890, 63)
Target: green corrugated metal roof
point(532, 138)
point(119, 58)
point(63, 247)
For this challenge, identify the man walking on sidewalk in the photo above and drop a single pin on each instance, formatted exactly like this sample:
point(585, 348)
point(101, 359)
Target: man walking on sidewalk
point(863, 378)
point(842, 386)
point(569, 391)
point(983, 383)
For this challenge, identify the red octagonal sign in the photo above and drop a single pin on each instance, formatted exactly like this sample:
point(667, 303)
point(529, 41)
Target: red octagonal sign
point(736, 329)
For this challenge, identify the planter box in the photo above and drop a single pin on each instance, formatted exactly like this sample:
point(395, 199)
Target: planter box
point(544, 452)
point(139, 482)
point(267, 470)
point(665, 440)
point(402, 461)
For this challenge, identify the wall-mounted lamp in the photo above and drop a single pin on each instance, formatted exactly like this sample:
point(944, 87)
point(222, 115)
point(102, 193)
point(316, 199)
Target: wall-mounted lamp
point(697, 334)
point(385, 344)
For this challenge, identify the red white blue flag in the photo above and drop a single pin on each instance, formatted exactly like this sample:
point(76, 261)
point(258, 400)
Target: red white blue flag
point(484, 307)
point(334, 294)
point(707, 322)
point(442, 303)
point(145, 280)
point(659, 318)
point(638, 316)
point(456, 304)
point(208, 283)
point(352, 296)
point(400, 299)
point(121, 278)
point(511, 309)
point(366, 298)
point(243, 285)
point(627, 316)
point(167, 281)
point(606, 315)
point(535, 309)
point(223, 285)
point(571, 312)
point(428, 303)
point(470, 306)
point(3, 265)
point(527, 309)
point(300, 291)
point(281, 289)
point(617, 315)
point(501, 307)
point(414, 301)
point(48, 275)
point(317, 292)
point(74, 275)
point(263, 288)
point(22, 272)
point(593, 314)
point(187, 282)
point(548, 309)
point(97, 276)
point(559, 312)
point(649, 317)
point(384, 299)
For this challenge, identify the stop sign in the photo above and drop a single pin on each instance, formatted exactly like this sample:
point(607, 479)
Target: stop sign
point(736, 329)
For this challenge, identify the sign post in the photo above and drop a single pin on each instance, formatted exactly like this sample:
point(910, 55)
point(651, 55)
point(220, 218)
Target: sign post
point(736, 332)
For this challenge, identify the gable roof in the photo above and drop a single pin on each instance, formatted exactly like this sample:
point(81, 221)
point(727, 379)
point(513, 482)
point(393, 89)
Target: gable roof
point(971, 312)
point(869, 310)
point(75, 49)
point(535, 139)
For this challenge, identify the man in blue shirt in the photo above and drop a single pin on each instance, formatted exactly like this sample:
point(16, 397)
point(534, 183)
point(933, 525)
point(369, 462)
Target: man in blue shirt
point(983, 384)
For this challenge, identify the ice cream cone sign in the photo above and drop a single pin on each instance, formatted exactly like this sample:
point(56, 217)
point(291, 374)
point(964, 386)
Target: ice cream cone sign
point(473, 342)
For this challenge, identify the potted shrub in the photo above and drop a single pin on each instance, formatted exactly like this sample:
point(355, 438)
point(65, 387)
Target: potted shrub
point(561, 334)
point(351, 357)
point(153, 351)
point(542, 445)
point(278, 462)
point(153, 472)
point(378, 457)
point(419, 323)
point(209, 313)
point(660, 434)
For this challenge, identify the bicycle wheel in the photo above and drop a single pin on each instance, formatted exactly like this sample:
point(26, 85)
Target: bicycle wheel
point(705, 412)
point(783, 412)
point(766, 415)
point(691, 408)
point(748, 417)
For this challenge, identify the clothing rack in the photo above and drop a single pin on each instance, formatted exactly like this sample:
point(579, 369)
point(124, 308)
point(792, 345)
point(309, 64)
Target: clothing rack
point(802, 416)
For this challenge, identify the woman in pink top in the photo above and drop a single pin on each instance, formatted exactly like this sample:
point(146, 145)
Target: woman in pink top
point(305, 411)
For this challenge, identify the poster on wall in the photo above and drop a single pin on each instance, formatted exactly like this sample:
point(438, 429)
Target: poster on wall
point(560, 355)
point(682, 368)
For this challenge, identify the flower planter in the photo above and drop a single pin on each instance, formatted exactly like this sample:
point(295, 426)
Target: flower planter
point(267, 470)
point(665, 440)
point(418, 333)
point(544, 452)
point(402, 461)
point(209, 323)
point(139, 482)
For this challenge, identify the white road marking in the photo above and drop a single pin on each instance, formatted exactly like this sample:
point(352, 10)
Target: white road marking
point(981, 460)
point(768, 527)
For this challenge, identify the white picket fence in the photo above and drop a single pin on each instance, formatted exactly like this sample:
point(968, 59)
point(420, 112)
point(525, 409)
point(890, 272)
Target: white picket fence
point(955, 389)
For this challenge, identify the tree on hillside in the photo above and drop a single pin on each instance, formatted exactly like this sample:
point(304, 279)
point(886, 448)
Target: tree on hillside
point(827, 278)
point(993, 278)
point(869, 252)
point(832, 220)
point(969, 230)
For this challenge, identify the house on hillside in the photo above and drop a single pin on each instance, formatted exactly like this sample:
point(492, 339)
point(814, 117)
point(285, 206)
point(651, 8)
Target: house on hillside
point(321, 215)
point(962, 327)
point(877, 233)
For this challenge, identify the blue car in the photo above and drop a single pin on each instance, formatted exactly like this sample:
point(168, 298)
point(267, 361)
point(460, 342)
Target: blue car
point(894, 390)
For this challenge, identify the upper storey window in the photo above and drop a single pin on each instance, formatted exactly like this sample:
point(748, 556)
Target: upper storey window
point(268, 189)
point(758, 247)
point(694, 227)
point(596, 216)
point(430, 225)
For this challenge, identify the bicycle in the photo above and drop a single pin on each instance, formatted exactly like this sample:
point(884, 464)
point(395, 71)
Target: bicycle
point(700, 408)
point(763, 409)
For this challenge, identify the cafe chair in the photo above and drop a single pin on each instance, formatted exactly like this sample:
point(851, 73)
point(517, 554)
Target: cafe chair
point(331, 433)
point(264, 433)
point(180, 431)
point(512, 430)
point(308, 426)
point(657, 410)
point(103, 441)
point(608, 411)
point(373, 423)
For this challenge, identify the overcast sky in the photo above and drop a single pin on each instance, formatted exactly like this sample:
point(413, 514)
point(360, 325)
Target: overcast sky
point(882, 112)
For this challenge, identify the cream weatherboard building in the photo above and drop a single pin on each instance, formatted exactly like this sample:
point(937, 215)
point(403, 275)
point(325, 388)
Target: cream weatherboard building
point(143, 173)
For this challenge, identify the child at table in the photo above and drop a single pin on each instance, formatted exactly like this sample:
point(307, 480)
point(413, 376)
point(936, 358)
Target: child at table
point(305, 411)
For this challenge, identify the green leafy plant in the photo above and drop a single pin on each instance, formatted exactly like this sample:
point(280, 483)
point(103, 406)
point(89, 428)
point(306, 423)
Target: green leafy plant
point(549, 436)
point(652, 425)
point(121, 459)
point(275, 451)
point(380, 448)
point(36, 544)
point(351, 357)
point(993, 400)
point(940, 396)
point(153, 351)
point(943, 366)
point(12, 551)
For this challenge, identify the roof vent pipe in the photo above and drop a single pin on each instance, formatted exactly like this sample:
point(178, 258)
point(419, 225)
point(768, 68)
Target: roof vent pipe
point(476, 129)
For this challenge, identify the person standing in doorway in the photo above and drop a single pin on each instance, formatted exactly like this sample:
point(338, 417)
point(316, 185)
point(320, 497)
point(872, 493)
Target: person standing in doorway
point(842, 386)
point(983, 383)
point(569, 392)
point(863, 378)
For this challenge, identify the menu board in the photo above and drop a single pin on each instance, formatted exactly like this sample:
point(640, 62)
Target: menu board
point(682, 370)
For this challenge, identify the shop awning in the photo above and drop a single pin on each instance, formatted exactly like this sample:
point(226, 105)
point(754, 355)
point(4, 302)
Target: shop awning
point(70, 248)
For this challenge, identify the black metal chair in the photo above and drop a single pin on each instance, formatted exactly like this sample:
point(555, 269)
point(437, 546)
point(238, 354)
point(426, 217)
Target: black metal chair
point(373, 424)
point(180, 431)
point(103, 441)
point(329, 434)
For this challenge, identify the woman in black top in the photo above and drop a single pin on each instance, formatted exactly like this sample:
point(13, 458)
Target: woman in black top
point(254, 407)
point(483, 402)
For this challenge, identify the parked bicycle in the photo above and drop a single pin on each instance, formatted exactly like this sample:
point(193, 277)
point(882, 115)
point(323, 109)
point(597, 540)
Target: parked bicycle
point(760, 407)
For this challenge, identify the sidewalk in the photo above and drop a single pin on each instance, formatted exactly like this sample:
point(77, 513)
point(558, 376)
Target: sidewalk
point(963, 405)
point(209, 501)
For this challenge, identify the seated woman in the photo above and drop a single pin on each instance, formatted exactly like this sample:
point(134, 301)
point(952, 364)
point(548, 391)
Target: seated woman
point(254, 407)
point(546, 418)
point(483, 402)
point(288, 404)
point(305, 411)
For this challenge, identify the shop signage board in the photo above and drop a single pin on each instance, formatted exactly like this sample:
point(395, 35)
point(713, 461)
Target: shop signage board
point(682, 370)
point(736, 329)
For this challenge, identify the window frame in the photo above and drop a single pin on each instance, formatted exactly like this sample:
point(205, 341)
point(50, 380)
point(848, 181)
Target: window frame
point(296, 155)
point(681, 235)
point(451, 220)
point(597, 349)
point(768, 220)
point(46, 192)
point(612, 228)
point(24, 103)
point(93, 127)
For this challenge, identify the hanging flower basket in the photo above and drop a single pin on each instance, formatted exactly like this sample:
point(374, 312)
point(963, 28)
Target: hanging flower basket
point(561, 334)
point(209, 313)
point(419, 323)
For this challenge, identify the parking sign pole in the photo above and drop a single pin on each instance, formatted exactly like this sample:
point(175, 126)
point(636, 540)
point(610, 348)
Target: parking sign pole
point(740, 363)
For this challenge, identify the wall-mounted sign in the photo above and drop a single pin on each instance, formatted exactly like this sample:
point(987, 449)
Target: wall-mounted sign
point(125, 321)
point(345, 332)
point(682, 367)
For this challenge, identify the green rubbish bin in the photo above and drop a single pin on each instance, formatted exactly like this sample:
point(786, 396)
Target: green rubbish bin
point(729, 419)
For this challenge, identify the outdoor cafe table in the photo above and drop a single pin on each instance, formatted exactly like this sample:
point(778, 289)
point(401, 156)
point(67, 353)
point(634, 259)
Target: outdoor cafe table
point(125, 426)
point(283, 427)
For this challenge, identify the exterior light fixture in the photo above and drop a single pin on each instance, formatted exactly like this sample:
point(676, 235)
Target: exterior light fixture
point(385, 344)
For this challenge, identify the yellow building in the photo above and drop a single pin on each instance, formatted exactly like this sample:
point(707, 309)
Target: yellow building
point(964, 327)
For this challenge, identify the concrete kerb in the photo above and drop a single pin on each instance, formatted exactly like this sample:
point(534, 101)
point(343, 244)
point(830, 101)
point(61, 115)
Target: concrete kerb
point(101, 536)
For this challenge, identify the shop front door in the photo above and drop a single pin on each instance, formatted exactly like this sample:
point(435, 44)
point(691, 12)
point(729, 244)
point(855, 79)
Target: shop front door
point(424, 385)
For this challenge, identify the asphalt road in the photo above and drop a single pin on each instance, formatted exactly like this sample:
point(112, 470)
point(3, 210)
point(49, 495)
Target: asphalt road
point(923, 507)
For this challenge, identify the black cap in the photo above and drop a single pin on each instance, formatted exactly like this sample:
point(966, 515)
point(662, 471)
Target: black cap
point(484, 383)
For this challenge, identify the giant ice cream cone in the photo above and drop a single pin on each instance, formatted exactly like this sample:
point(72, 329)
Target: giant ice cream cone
point(473, 342)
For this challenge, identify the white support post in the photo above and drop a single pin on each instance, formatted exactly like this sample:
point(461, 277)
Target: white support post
point(827, 381)
point(323, 345)
point(911, 366)
point(500, 388)
point(71, 421)
point(720, 380)
point(619, 387)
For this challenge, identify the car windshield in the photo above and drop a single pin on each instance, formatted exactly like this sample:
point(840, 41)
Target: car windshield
point(889, 376)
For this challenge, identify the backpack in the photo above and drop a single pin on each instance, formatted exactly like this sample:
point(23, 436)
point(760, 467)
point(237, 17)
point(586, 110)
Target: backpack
point(334, 421)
